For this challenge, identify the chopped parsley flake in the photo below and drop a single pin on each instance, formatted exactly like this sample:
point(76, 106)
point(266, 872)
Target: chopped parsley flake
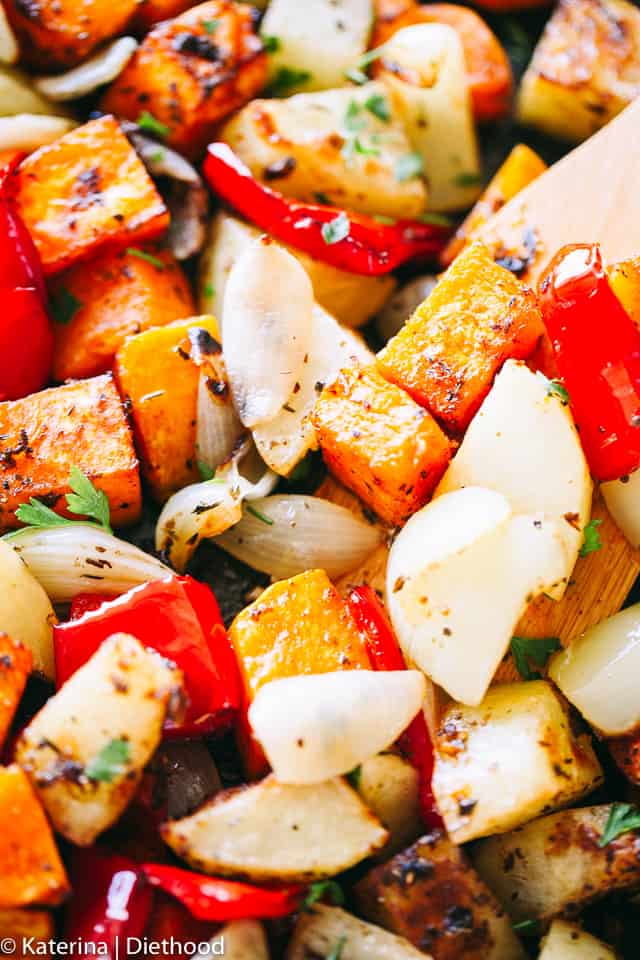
point(377, 105)
point(211, 25)
point(259, 516)
point(336, 230)
point(147, 121)
point(143, 255)
point(286, 80)
point(324, 888)
point(109, 763)
point(64, 305)
point(623, 818)
point(532, 650)
point(270, 43)
point(555, 388)
point(591, 538)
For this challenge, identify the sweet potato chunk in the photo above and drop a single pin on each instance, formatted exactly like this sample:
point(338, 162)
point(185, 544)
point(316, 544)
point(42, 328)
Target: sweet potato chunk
point(624, 278)
point(159, 379)
point(102, 302)
point(519, 169)
point(81, 424)
point(26, 923)
point(191, 72)
point(16, 662)
point(380, 443)
point(431, 895)
point(61, 33)
point(86, 191)
point(448, 353)
point(30, 866)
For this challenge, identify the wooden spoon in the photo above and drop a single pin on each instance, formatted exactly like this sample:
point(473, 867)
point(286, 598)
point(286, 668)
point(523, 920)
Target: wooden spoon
point(592, 194)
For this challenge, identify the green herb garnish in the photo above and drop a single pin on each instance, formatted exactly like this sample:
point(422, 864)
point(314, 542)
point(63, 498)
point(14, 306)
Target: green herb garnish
point(527, 650)
point(336, 230)
point(354, 776)
point(555, 388)
point(377, 105)
point(148, 257)
point(336, 953)
point(435, 219)
point(211, 25)
point(591, 538)
point(205, 471)
point(287, 79)
point(357, 73)
point(209, 290)
point(109, 763)
point(527, 928)
point(320, 890)
point(85, 500)
point(259, 516)
point(467, 179)
point(270, 43)
point(64, 306)
point(409, 166)
point(147, 121)
point(623, 818)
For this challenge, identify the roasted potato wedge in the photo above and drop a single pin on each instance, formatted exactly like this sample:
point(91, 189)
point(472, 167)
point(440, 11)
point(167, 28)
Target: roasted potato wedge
point(304, 147)
point(556, 864)
point(510, 759)
point(272, 831)
point(86, 749)
point(245, 940)
point(431, 895)
point(26, 613)
point(585, 69)
point(568, 941)
point(328, 931)
point(388, 785)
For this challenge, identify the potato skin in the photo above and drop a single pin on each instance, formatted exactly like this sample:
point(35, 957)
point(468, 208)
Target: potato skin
point(448, 353)
point(120, 294)
point(80, 424)
point(379, 443)
point(61, 33)
point(431, 895)
point(86, 191)
point(189, 78)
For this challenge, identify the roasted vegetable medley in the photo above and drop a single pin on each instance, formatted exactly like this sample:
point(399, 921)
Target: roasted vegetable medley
point(319, 494)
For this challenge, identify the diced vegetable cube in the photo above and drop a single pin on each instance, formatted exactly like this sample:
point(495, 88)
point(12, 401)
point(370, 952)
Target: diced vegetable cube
point(568, 941)
point(31, 869)
point(191, 72)
point(99, 303)
point(86, 191)
point(380, 443)
point(159, 379)
point(322, 930)
point(624, 278)
point(81, 425)
point(448, 353)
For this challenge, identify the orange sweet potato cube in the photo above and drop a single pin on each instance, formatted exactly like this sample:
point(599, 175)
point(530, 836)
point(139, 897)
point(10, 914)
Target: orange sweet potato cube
point(82, 424)
point(447, 355)
point(15, 666)
point(380, 443)
point(100, 303)
point(159, 379)
point(35, 924)
point(61, 33)
point(86, 191)
point(193, 71)
point(30, 866)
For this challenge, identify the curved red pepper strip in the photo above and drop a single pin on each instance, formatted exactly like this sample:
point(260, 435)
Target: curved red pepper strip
point(371, 248)
point(385, 654)
point(209, 898)
point(597, 351)
point(26, 340)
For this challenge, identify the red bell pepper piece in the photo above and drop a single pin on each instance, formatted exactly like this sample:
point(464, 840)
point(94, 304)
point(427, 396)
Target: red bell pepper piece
point(209, 898)
point(597, 351)
point(110, 902)
point(385, 654)
point(370, 248)
point(26, 340)
point(179, 618)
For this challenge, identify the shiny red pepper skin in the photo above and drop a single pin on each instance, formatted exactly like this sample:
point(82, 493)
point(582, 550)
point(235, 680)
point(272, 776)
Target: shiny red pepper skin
point(597, 351)
point(370, 249)
point(209, 898)
point(385, 654)
point(110, 902)
point(179, 617)
point(26, 340)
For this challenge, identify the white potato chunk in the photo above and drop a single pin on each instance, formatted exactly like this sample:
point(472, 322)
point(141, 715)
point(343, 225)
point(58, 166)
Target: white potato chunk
point(305, 147)
point(598, 673)
point(284, 441)
point(568, 941)
point(321, 39)
point(86, 749)
point(350, 297)
point(322, 931)
point(508, 760)
point(243, 940)
point(274, 831)
point(424, 69)
point(389, 785)
point(622, 498)
point(460, 575)
point(26, 613)
point(316, 726)
point(523, 443)
point(555, 862)
point(18, 96)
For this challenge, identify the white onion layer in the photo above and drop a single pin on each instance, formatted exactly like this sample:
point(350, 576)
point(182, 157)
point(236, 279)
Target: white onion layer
point(81, 557)
point(218, 427)
point(622, 498)
point(300, 533)
point(314, 727)
point(28, 131)
point(266, 331)
point(100, 69)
